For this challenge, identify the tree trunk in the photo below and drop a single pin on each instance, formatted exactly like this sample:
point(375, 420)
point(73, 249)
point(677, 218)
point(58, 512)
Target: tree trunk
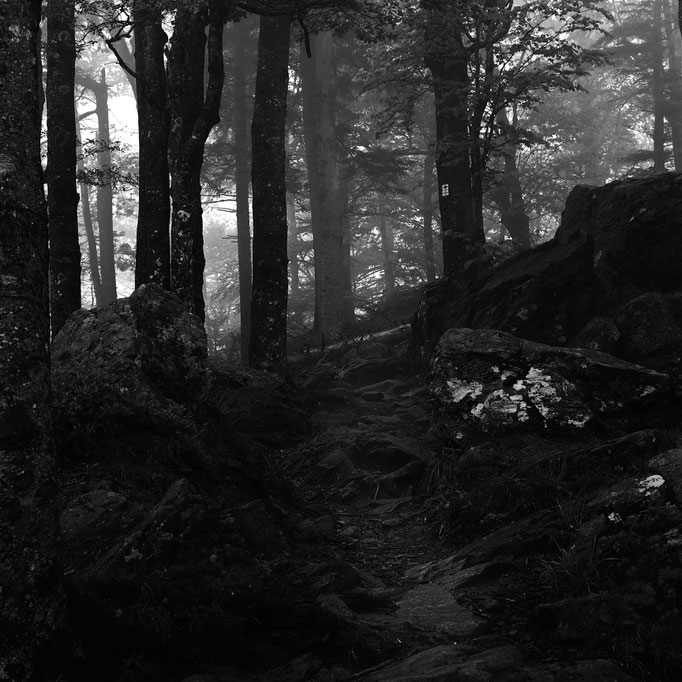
point(93, 258)
point(62, 199)
point(508, 193)
point(30, 599)
point(348, 291)
point(658, 94)
point(673, 110)
point(242, 153)
point(192, 116)
point(267, 348)
point(427, 214)
point(447, 59)
point(105, 198)
point(152, 260)
point(386, 233)
point(319, 101)
point(292, 246)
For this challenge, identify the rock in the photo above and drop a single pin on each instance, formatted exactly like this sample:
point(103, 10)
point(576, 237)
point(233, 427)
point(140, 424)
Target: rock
point(90, 514)
point(614, 243)
point(648, 331)
point(151, 329)
point(451, 662)
point(600, 333)
point(432, 607)
point(492, 382)
point(668, 465)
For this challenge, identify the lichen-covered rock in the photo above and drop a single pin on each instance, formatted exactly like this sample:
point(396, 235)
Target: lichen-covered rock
point(492, 382)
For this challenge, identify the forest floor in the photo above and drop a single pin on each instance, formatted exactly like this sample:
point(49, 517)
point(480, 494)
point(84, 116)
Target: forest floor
point(402, 564)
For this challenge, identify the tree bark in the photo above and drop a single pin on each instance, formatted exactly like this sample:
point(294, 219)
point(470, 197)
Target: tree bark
point(319, 101)
point(242, 153)
point(192, 116)
point(427, 215)
point(292, 246)
point(30, 600)
point(447, 59)
point(93, 258)
point(62, 199)
point(386, 233)
point(657, 85)
point(267, 348)
point(105, 217)
point(508, 193)
point(152, 261)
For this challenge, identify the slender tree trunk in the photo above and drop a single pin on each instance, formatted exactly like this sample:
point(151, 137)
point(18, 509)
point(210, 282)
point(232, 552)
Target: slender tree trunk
point(427, 214)
point(30, 599)
point(292, 246)
point(386, 233)
point(674, 82)
point(93, 258)
point(658, 94)
point(152, 261)
point(192, 116)
point(267, 349)
point(447, 59)
point(62, 201)
point(348, 292)
point(319, 101)
point(105, 198)
point(242, 153)
point(508, 194)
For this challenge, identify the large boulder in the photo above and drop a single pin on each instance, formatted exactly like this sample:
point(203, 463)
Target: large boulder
point(615, 243)
point(487, 381)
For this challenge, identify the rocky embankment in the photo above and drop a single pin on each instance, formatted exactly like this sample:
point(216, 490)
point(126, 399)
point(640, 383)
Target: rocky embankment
point(509, 511)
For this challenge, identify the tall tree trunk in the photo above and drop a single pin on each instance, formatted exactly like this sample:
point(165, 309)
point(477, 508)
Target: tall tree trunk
point(658, 93)
point(267, 348)
point(673, 108)
point(105, 198)
point(242, 171)
point(292, 246)
point(447, 59)
point(386, 233)
point(152, 261)
point(192, 116)
point(30, 601)
point(93, 258)
point(427, 215)
point(62, 198)
point(319, 101)
point(348, 291)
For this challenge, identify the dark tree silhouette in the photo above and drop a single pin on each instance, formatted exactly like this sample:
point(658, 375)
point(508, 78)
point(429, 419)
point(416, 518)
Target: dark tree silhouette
point(29, 601)
point(152, 261)
point(267, 348)
point(62, 197)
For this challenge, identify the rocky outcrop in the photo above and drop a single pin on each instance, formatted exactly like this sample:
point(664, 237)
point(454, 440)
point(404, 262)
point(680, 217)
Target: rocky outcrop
point(488, 381)
point(615, 243)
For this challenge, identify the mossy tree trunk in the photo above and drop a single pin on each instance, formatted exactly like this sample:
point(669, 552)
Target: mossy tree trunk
point(30, 605)
point(62, 199)
point(267, 349)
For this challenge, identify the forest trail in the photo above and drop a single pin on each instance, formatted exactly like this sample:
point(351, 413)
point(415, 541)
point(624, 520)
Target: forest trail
point(369, 590)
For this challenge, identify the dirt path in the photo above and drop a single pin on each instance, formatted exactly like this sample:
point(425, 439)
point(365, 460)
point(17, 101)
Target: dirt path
point(371, 592)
